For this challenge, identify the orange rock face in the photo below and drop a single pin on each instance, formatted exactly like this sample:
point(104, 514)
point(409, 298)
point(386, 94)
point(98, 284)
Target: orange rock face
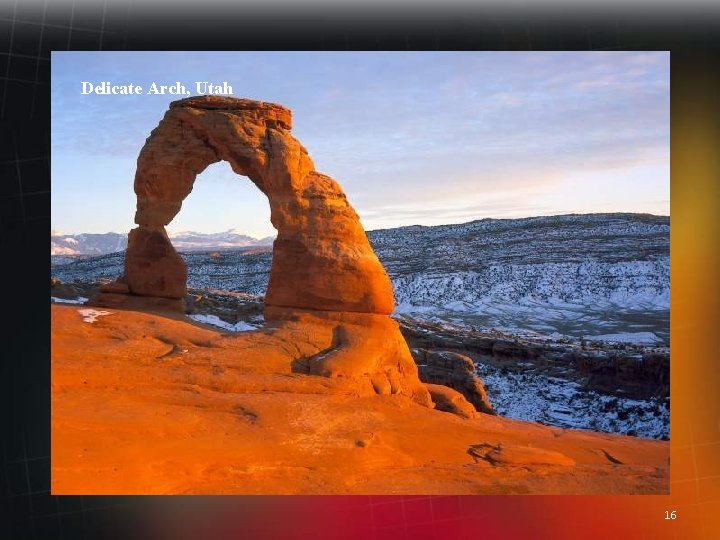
point(146, 404)
point(324, 271)
point(457, 371)
point(322, 259)
point(152, 265)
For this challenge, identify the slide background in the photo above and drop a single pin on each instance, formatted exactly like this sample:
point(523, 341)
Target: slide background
point(27, 35)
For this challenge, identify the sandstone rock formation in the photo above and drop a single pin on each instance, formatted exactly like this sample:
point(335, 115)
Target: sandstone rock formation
point(455, 371)
point(322, 259)
point(323, 264)
point(449, 400)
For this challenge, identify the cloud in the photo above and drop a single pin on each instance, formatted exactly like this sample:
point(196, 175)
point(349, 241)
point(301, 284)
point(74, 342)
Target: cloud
point(421, 128)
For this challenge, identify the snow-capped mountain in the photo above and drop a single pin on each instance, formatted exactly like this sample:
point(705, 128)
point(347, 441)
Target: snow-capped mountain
point(87, 243)
point(230, 239)
point(101, 244)
point(599, 276)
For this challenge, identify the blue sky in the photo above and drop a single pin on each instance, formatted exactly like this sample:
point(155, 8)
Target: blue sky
point(412, 137)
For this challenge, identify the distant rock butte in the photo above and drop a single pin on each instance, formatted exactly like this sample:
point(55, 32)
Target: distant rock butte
point(455, 371)
point(323, 265)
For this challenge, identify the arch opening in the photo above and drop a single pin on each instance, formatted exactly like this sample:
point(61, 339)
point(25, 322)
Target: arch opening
point(222, 201)
point(224, 234)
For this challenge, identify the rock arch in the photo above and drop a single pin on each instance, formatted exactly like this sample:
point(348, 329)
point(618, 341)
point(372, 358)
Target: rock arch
point(322, 259)
point(328, 298)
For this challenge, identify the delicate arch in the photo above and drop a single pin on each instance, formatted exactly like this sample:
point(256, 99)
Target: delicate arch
point(322, 259)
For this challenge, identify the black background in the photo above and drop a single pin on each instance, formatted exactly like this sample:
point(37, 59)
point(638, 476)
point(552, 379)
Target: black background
point(27, 37)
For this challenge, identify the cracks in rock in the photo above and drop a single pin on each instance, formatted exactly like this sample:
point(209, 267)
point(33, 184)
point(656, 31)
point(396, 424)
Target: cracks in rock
point(246, 414)
point(304, 363)
point(612, 459)
point(290, 347)
point(519, 456)
point(203, 137)
point(174, 350)
point(482, 452)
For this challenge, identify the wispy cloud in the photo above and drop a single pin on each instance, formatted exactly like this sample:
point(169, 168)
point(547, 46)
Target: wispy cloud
point(403, 129)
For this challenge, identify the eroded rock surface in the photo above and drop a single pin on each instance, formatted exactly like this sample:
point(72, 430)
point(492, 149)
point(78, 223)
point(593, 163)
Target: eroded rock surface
point(449, 400)
point(456, 371)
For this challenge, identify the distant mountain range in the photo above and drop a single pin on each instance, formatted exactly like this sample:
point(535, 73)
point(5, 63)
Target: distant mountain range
point(87, 244)
point(596, 275)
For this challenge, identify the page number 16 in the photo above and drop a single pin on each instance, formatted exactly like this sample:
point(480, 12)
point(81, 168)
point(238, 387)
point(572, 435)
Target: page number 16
point(670, 514)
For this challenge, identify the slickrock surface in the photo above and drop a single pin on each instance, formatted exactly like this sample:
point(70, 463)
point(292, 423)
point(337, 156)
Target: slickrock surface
point(145, 403)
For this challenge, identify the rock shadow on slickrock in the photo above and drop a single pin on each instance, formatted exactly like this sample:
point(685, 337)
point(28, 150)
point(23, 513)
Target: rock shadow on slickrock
point(503, 455)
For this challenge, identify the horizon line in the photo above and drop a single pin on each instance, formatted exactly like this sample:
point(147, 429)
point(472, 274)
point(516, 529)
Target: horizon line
point(55, 232)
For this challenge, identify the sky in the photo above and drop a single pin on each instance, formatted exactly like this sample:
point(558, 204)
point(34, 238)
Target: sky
point(423, 138)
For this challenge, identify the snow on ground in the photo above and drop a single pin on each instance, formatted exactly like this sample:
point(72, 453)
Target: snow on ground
point(558, 402)
point(78, 300)
point(600, 277)
point(642, 338)
point(593, 321)
point(578, 276)
point(91, 315)
point(214, 320)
